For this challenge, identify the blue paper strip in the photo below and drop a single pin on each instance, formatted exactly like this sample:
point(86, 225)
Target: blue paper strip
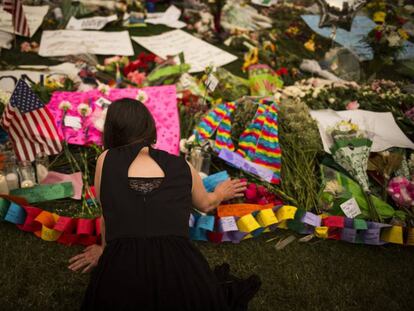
point(212, 181)
point(15, 214)
point(205, 222)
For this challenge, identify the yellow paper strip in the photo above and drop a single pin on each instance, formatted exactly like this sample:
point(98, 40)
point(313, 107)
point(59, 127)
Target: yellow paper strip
point(247, 223)
point(392, 235)
point(286, 212)
point(50, 234)
point(321, 232)
point(266, 218)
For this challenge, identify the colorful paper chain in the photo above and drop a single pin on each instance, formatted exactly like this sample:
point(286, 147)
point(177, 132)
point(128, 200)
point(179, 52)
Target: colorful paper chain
point(50, 226)
point(233, 222)
point(259, 143)
point(254, 220)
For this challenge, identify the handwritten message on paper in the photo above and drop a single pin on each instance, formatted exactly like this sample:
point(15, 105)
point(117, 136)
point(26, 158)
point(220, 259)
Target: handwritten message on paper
point(198, 53)
point(70, 42)
point(162, 103)
point(95, 23)
point(34, 16)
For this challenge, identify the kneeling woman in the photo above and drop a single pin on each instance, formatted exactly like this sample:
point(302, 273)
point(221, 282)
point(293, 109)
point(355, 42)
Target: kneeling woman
point(148, 261)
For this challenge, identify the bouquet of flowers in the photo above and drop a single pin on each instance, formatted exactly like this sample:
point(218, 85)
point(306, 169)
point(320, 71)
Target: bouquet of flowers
point(351, 148)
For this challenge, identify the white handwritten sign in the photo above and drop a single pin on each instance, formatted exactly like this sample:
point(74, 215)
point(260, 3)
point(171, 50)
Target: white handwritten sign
point(198, 53)
point(95, 23)
point(72, 42)
point(350, 208)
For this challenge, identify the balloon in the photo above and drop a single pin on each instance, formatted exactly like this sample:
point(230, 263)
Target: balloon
point(339, 13)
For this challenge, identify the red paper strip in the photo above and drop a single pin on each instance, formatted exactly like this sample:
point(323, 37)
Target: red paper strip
point(30, 225)
point(85, 226)
point(334, 221)
point(65, 224)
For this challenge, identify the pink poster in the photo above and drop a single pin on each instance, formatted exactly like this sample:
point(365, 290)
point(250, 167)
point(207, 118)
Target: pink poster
point(161, 102)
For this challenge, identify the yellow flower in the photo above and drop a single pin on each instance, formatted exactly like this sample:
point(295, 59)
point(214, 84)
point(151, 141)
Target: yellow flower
point(379, 17)
point(403, 34)
point(310, 44)
point(293, 30)
point(251, 58)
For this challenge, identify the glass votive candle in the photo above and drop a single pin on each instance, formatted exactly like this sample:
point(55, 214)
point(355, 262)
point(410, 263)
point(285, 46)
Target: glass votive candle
point(27, 174)
point(42, 164)
point(4, 188)
point(12, 175)
point(201, 160)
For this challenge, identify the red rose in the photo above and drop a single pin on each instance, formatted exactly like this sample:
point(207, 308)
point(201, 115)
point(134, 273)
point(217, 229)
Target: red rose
point(282, 71)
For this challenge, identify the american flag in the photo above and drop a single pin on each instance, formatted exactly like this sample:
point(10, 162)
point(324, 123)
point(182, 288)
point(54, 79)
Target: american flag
point(15, 8)
point(30, 125)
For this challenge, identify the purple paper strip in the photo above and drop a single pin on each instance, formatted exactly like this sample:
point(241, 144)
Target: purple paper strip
point(226, 224)
point(246, 165)
point(349, 222)
point(348, 235)
point(234, 236)
point(311, 219)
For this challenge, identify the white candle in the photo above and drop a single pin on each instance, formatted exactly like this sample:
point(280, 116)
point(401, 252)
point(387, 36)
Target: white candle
point(4, 189)
point(27, 183)
point(41, 171)
point(12, 181)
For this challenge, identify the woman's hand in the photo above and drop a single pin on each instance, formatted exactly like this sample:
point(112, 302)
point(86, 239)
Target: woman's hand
point(87, 259)
point(231, 188)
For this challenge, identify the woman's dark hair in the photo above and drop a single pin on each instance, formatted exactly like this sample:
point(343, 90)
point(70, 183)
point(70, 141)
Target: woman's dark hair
point(128, 121)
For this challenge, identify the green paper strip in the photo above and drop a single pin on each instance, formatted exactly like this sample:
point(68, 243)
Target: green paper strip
point(360, 224)
point(42, 193)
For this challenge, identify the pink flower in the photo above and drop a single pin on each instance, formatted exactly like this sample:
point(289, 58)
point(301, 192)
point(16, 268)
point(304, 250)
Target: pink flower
point(261, 190)
point(354, 105)
point(136, 77)
point(111, 60)
point(251, 194)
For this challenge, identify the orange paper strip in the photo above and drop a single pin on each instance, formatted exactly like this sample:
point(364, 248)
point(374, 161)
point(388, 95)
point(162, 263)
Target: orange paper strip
point(240, 210)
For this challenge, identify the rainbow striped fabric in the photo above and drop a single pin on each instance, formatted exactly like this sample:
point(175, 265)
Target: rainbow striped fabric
point(259, 143)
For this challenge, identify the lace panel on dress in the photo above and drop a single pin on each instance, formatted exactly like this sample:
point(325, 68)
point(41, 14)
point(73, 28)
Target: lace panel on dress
point(145, 185)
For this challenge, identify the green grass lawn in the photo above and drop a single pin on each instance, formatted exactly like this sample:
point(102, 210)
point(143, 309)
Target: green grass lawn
point(319, 275)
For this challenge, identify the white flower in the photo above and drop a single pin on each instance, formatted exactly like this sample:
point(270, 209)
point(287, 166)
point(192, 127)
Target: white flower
point(142, 96)
point(333, 187)
point(277, 96)
point(183, 146)
point(65, 105)
point(104, 88)
point(84, 110)
point(316, 92)
point(394, 40)
point(99, 122)
point(331, 100)
point(4, 97)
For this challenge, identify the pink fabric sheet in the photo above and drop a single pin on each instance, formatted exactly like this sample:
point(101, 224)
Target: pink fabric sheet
point(162, 103)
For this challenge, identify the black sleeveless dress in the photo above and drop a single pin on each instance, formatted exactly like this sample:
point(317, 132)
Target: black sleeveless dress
point(149, 263)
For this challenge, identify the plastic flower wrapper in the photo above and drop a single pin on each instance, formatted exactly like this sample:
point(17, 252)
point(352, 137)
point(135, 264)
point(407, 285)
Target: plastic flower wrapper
point(350, 149)
point(263, 80)
point(236, 16)
point(167, 72)
point(339, 188)
point(401, 191)
point(382, 166)
point(230, 86)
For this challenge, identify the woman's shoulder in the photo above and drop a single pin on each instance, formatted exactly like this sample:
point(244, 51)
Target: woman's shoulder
point(171, 158)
